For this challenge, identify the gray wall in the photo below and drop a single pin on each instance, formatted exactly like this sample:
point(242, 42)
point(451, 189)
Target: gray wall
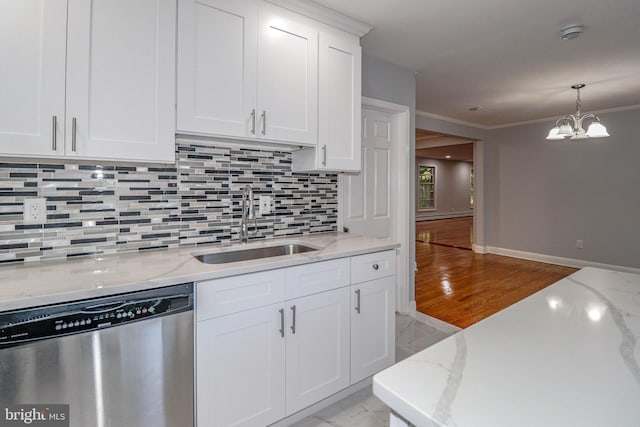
point(388, 82)
point(541, 196)
point(453, 185)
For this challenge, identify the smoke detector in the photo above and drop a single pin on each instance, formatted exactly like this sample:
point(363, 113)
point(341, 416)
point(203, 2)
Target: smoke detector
point(572, 32)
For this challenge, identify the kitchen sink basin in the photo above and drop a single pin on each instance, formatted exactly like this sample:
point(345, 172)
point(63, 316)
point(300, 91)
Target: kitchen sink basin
point(247, 254)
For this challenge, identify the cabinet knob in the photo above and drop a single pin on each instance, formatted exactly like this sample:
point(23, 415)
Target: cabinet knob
point(376, 266)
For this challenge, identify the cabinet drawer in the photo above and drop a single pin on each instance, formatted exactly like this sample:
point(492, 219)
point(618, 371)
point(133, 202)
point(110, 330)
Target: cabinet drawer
point(233, 294)
point(317, 277)
point(373, 266)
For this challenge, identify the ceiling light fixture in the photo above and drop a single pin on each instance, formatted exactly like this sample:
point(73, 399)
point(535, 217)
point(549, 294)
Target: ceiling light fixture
point(571, 125)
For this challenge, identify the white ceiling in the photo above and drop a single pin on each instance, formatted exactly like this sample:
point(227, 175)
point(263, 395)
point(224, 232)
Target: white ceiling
point(507, 55)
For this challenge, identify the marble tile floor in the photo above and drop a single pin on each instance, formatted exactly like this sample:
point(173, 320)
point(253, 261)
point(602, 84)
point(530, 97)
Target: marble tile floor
point(363, 409)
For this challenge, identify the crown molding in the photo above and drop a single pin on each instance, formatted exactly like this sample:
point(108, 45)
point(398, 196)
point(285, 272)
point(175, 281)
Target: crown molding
point(450, 120)
point(325, 15)
point(527, 122)
point(554, 118)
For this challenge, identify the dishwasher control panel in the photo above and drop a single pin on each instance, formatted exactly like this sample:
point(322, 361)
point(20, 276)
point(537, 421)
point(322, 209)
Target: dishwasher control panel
point(30, 324)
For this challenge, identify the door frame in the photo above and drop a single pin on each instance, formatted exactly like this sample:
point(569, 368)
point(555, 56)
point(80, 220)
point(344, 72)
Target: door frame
point(401, 187)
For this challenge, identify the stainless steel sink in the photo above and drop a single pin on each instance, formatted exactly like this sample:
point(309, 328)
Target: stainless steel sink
point(253, 253)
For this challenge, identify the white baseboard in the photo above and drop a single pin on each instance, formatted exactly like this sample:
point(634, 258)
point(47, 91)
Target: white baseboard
point(412, 308)
point(550, 259)
point(479, 249)
point(443, 216)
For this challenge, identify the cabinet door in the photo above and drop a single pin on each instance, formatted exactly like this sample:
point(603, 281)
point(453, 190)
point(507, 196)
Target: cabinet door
point(339, 104)
point(217, 51)
point(372, 327)
point(32, 76)
point(240, 369)
point(287, 79)
point(121, 79)
point(317, 347)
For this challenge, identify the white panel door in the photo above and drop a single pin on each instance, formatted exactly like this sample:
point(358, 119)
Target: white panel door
point(372, 327)
point(240, 372)
point(339, 108)
point(32, 76)
point(121, 79)
point(287, 79)
point(367, 197)
point(317, 347)
point(217, 54)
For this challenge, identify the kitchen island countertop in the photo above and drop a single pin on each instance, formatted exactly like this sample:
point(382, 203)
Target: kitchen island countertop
point(566, 356)
point(50, 282)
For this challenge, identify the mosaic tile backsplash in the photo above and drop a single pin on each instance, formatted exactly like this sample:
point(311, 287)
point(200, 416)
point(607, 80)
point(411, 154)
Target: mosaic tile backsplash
point(106, 208)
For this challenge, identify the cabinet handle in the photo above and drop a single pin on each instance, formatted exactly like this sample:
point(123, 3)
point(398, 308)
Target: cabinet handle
point(358, 301)
point(73, 134)
point(54, 133)
point(376, 266)
point(324, 155)
point(264, 122)
point(293, 320)
point(253, 121)
point(281, 330)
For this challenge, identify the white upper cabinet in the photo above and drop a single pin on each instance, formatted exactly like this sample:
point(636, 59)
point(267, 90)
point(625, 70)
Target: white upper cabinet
point(246, 70)
point(121, 79)
point(339, 132)
point(98, 72)
point(217, 54)
point(252, 70)
point(287, 78)
point(33, 51)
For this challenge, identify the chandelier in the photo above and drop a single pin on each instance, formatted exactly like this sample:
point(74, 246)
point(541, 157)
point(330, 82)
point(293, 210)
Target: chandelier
point(570, 126)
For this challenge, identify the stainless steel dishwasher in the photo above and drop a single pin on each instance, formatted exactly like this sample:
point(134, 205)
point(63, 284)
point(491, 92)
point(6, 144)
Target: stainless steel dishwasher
point(123, 360)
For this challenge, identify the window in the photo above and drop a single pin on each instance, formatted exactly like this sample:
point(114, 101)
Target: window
point(427, 188)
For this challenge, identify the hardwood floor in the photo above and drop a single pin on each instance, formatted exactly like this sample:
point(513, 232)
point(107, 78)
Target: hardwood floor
point(456, 232)
point(461, 287)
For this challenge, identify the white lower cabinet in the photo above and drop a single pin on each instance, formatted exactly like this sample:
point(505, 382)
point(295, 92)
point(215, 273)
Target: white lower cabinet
point(240, 361)
point(317, 348)
point(372, 327)
point(259, 359)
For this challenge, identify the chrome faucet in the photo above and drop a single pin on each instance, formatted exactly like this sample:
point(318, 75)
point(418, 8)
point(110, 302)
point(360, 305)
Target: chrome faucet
point(248, 213)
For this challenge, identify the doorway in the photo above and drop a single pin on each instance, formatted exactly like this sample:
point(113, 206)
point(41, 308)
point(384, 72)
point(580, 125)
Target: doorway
point(376, 202)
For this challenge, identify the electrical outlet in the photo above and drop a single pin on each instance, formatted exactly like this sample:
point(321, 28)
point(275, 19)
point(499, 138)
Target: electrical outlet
point(35, 211)
point(265, 205)
point(579, 244)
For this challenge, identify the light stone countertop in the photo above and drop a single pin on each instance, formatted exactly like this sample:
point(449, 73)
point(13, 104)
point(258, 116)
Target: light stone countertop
point(566, 356)
point(51, 282)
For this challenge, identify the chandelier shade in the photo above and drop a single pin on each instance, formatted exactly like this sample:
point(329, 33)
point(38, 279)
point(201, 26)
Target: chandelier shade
point(571, 125)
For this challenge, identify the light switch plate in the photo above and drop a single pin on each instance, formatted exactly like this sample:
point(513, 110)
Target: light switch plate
point(35, 211)
point(265, 205)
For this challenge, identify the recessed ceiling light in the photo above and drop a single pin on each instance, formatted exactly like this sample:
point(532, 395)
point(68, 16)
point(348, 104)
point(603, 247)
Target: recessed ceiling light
point(571, 32)
point(448, 157)
point(476, 108)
